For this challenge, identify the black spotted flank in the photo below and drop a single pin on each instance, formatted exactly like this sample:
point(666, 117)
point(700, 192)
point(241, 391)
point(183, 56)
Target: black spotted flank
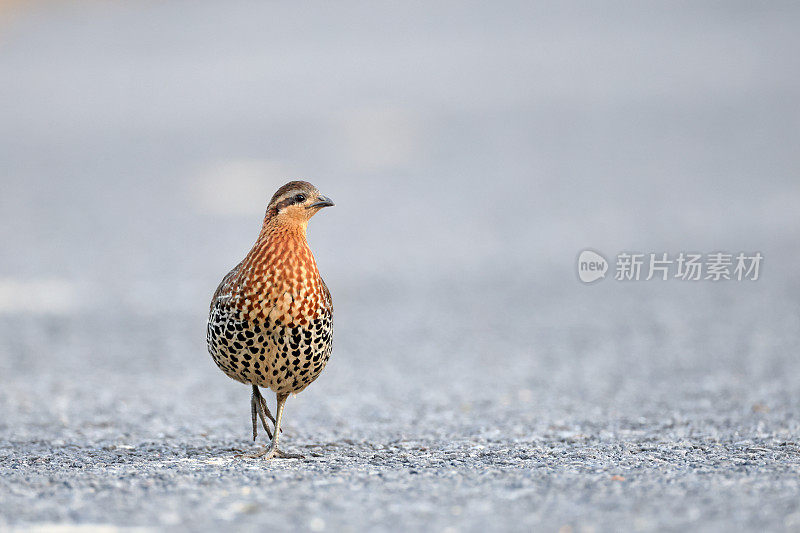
point(270, 354)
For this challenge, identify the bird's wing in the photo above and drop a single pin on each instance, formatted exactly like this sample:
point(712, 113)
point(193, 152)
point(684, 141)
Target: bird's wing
point(224, 293)
point(327, 293)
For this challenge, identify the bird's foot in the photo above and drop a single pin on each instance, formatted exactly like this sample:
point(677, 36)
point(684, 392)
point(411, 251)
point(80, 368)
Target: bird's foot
point(285, 455)
point(270, 453)
point(264, 452)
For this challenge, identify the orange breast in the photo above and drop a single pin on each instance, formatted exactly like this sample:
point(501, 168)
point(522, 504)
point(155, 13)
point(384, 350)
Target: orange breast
point(279, 280)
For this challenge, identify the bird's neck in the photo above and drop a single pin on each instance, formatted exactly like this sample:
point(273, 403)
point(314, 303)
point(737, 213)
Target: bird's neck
point(275, 231)
point(279, 225)
point(280, 255)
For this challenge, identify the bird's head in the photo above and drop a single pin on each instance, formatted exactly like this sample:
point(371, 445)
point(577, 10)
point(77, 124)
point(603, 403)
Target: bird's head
point(295, 203)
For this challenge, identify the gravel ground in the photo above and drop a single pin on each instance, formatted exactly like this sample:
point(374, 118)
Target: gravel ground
point(475, 383)
point(513, 422)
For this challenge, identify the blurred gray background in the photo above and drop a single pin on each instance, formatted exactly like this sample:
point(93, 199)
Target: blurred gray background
point(473, 149)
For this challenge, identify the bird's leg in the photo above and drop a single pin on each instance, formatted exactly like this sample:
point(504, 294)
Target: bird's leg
point(272, 450)
point(253, 411)
point(259, 406)
point(279, 453)
point(269, 415)
point(264, 405)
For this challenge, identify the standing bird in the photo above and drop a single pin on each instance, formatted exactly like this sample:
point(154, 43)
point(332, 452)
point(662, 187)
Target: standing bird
point(270, 322)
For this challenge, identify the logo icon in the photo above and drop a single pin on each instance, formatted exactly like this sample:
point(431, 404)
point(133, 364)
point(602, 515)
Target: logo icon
point(591, 266)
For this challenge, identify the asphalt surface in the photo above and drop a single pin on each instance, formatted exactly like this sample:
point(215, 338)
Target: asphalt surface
point(475, 383)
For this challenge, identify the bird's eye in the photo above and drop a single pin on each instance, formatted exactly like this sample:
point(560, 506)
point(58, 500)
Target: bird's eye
point(300, 198)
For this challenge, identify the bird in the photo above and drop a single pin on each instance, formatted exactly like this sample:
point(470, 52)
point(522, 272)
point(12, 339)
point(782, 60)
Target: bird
point(270, 323)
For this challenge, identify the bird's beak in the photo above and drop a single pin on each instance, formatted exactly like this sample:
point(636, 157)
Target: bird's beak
point(322, 201)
